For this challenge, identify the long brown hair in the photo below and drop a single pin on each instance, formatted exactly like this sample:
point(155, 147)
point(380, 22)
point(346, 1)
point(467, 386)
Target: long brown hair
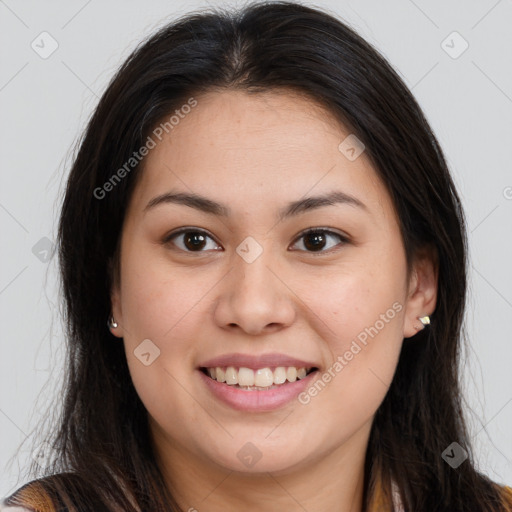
point(103, 451)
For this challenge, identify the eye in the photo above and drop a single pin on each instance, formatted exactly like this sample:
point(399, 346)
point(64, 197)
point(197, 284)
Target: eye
point(316, 239)
point(195, 240)
point(192, 240)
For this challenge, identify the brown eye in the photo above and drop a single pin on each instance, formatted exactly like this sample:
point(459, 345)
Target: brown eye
point(190, 240)
point(315, 240)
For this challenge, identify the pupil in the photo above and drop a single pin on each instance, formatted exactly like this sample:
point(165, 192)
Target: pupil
point(198, 237)
point(318, 240)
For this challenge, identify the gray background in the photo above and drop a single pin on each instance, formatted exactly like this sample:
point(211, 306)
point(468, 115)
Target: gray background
point(45, 103)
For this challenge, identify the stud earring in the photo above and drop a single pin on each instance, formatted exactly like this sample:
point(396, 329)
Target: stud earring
point(112, 323)
point(425, 320)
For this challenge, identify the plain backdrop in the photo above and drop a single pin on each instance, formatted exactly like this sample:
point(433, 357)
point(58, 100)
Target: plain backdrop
point(45, 101)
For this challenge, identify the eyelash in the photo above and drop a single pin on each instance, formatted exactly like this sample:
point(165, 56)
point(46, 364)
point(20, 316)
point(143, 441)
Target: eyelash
point(344, 239)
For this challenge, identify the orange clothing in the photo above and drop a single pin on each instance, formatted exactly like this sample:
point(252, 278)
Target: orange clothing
point(33, 497)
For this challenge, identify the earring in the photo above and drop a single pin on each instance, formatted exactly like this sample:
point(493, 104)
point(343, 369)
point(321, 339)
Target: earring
point(112, 323)
point(425, 320)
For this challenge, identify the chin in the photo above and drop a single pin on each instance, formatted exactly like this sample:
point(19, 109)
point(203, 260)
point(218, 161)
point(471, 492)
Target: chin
point(254, 458)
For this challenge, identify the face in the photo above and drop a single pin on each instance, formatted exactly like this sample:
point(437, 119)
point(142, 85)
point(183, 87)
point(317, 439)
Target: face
point(242, 285)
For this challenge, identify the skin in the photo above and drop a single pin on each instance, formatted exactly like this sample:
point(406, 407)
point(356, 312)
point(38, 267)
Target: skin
point(255, 154)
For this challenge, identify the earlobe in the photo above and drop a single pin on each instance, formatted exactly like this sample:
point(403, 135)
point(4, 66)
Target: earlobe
point(115, 319)
point(114, 322)
point(422, 298)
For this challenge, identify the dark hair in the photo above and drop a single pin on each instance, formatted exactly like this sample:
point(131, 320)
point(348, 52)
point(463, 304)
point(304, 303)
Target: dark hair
point(103, 451)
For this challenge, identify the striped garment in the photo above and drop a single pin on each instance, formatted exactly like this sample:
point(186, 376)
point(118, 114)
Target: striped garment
point(32, 498)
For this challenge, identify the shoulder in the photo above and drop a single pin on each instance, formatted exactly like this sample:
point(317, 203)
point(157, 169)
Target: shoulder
point(14, 508)
point(31, 497)
point(506, 493)
point(61, 492)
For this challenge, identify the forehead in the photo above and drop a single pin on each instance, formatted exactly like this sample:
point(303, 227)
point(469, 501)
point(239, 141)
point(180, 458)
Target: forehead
point(275, 146)
point(281, 126)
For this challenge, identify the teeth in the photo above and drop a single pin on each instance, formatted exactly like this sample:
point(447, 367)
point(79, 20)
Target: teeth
point(248, 378)
point(291, 373)
point(231, 375)
point(263, 377)
point(280, 375)
point(221, 375)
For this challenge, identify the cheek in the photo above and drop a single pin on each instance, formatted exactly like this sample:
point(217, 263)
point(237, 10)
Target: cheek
point(362, 313)
point(163, 307)
point(161, 310)
point(351, 298)
point(159, 301)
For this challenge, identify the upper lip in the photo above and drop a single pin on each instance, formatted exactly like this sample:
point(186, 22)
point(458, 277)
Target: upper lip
point(239, 360)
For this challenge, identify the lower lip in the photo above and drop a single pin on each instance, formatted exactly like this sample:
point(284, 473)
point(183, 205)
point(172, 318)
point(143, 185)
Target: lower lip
point(257, 401)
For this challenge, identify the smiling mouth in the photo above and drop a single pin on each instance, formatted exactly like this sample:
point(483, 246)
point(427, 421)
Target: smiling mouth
point(261, 379)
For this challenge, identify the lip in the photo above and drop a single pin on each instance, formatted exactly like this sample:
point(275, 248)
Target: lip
point(256, 401)
point(272, 360)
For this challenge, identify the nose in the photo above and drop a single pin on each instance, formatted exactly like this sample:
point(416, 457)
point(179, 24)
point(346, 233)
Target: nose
point(255, 298)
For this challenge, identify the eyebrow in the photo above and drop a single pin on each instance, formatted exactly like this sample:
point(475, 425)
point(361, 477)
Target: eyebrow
point(294, 208)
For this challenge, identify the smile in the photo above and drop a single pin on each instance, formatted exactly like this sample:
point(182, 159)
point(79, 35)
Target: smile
point(260, 379)
point(271, 388)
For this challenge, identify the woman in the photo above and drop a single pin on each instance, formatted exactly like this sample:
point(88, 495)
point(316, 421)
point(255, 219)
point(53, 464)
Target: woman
point(262, 216)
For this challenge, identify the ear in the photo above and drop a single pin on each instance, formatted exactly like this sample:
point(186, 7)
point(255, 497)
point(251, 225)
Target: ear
point(115, 301)
point(422, 292)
